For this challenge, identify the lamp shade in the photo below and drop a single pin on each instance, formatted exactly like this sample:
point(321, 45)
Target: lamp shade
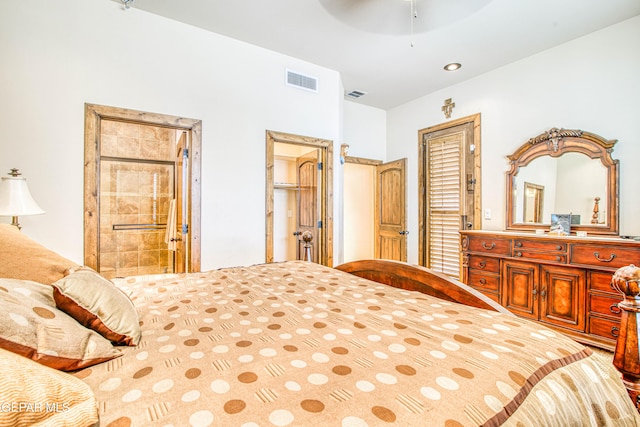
point(15, 199)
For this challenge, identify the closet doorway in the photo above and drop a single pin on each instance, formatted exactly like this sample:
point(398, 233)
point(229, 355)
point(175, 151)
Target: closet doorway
point(299, 198)
point(142, 192)
point(374, 209)
point(449, 191)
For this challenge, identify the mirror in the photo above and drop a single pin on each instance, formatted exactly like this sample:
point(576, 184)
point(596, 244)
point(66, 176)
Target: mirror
point(567, 172)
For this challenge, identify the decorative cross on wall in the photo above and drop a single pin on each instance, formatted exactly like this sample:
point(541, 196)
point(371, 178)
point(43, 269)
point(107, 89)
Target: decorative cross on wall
point(448, 107)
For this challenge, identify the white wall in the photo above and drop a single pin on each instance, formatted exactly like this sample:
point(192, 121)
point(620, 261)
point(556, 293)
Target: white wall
point(365, 130)
point(58, 55)
point(590, 83)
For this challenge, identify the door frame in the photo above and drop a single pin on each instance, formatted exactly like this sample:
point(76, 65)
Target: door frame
point(422, 196)
point(325, 255)
point(94, 114)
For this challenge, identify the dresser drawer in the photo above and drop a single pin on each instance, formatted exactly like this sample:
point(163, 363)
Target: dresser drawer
point(604, 327)
point(483, 281)
point(605, 305)
point(604, 256)
point(541, 256)
point(490, 245)
point(490, 265)
point(493, 296)
point(538, 245)
point(601, 281)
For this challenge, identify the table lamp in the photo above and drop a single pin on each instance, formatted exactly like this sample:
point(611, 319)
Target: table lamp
point(15, 199)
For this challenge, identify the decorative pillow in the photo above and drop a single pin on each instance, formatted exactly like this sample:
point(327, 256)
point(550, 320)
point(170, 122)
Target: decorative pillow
point(98, 304)
point(32, 326)
point(23, 258)
point(32, 394)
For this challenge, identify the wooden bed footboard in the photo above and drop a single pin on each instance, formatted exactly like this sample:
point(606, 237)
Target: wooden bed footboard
point(416, 278)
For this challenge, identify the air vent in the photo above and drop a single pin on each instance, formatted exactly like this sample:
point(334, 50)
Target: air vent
point(301, 81)
point(356, 94)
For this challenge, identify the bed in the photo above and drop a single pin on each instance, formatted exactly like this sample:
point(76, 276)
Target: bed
point(292, 344)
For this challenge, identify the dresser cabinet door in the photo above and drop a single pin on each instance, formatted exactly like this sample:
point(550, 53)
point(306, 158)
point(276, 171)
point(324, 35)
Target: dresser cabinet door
point(562, 296)
point(520, 291)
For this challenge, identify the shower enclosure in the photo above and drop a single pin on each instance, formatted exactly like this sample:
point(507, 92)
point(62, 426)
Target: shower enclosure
point(141, 192)
point(137, 233)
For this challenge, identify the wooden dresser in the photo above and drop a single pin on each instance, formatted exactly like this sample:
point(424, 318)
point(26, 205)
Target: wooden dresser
point(563, 282)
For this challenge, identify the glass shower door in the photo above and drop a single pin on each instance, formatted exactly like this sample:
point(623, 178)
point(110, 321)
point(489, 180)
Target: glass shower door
point(137, 186)
point(134, 209)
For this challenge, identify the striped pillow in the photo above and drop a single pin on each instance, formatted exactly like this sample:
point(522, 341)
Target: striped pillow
point(32, 394)
point(32, 326)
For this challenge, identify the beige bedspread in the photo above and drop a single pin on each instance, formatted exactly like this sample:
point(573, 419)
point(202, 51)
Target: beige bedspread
point(299, 344)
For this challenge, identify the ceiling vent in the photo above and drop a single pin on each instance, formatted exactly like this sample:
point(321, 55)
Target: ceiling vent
point(301, 81)
point(355, 94)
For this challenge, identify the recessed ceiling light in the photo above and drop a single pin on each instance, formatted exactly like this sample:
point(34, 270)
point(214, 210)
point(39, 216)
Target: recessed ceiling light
point(453, 66)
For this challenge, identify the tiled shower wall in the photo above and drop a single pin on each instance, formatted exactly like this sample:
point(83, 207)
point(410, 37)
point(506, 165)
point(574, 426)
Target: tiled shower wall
point(135, 194)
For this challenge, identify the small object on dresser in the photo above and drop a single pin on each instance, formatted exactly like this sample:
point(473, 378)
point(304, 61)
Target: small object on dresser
point(560, 224)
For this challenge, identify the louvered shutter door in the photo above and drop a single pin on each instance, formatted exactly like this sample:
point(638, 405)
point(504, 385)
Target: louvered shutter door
point(444, 209)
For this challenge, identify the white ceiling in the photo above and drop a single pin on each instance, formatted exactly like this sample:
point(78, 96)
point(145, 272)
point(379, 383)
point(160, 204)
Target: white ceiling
point(372, 44)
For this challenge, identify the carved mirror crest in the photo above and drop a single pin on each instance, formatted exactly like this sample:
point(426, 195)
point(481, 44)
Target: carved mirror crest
point(577, 176)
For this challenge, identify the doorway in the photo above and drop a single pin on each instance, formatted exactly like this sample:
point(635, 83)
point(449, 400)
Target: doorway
point(449, 193)
point(533, 202)
point(297, 188)
point(374, 209)
point(359, 208)
point(299, 198)
point(142, 192)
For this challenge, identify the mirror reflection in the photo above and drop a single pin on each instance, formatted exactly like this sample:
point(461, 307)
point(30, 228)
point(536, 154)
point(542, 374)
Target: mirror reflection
point(568, 184)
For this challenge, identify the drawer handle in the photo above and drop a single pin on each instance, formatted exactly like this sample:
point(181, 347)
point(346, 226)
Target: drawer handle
point(488, 247)
point(482, 264)
point(518, 244)
point(518, 253)
point(558, 258)
point(615, 331)
point(615, 309)
point(483, 281)
point(535, 293)
point(597, 255)
point(543, 294)
point(559, 247)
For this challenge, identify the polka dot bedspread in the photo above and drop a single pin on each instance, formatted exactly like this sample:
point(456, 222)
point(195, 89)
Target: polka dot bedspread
point(300, 344)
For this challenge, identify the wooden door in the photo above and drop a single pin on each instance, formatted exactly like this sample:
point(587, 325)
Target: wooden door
point(180, 236)
point(308, 204)
point(449, 193)
point(520, 289)
point(562, 297)
point(390, 213)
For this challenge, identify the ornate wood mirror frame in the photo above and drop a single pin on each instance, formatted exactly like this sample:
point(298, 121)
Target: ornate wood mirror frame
point(555, 143)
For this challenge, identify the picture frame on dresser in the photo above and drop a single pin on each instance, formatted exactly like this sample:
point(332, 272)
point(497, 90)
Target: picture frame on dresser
point(560, 224)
